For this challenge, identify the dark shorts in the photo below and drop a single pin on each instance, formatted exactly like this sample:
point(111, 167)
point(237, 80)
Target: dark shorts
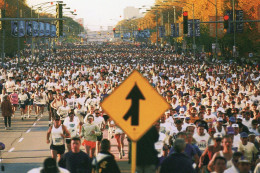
point(40, 105)
point(99, 138)
point(30, 102)
point(22, 106)
point(15, 105)
point(59, 148)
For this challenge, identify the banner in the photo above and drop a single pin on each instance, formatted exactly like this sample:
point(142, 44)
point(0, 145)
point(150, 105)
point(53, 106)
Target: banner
point(14, 28)
point(161, 31)
point(173, 30)
point(47, 30)
point(53, 31)
point(116, 35)
point(142, 34)
point(29, 29)
point(41, 29)
point(127, 35)
point(35, 27)
point(196, 27)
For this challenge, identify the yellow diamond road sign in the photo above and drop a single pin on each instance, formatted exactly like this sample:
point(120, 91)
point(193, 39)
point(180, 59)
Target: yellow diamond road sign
point(135, 106)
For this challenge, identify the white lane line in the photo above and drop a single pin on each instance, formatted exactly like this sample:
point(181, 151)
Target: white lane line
point(12, 149)
point(28, 130)
point(38, 119)
point(34, 124)
point(20, 140)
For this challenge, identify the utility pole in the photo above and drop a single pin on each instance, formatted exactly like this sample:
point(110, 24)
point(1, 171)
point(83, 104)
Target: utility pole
point(18, 38)
point(3, 32)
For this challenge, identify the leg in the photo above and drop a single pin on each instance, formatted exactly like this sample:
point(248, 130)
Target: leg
point(9, 121)
point(117, 136)
point(54, 154)
point(87, 148)
point(5, 119)
point(92, 152)
point(122, 143)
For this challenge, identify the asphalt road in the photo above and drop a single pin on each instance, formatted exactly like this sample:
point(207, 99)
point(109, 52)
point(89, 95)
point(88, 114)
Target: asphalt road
point(26, 146)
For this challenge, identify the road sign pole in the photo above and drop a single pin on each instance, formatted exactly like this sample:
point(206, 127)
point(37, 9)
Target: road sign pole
point(133, 157)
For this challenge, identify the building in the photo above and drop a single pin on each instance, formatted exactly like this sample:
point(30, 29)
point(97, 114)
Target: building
point(132, 12)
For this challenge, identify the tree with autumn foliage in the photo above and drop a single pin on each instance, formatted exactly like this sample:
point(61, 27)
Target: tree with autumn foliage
point(246, 42)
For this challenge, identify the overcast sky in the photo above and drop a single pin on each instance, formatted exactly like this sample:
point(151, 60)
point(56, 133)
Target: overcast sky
point(98, 13)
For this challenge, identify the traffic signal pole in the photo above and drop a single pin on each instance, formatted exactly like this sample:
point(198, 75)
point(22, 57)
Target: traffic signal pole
point(3, 36)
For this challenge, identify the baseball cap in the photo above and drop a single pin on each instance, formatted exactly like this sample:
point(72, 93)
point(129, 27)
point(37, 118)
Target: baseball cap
point(243, 135)
point(232, 119)
point(240, 117)
point(243, 160)
point(187, 118)
point(251, 134)
point(220, 119)
point(217, 135)
point(230, 131)
point(235, 125)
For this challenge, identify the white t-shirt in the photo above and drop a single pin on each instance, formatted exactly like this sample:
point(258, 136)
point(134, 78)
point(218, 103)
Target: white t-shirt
point(72, 126)
point(202, 141)
point(99, 121)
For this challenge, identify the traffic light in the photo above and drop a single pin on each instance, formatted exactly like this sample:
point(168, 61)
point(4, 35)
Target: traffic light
point(226, 23)
point(139, 30)
point(59, 23)
point(114, 30)
point(2, 15)
point(185, 22)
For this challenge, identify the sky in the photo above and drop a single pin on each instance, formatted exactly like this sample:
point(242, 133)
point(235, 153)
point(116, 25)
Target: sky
point(98, 13)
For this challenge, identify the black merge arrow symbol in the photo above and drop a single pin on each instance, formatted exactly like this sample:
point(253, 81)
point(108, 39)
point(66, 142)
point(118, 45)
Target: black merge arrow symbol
point(135, 95)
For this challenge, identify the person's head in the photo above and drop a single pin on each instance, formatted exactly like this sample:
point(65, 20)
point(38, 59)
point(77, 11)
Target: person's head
point(200, 129)
point(57, 120)
point(254, 124)
point(220, 164)
point(5, 98)
point(211, 131)
point(251, 137)
point(90, 118)
point(244, 165)
point(181, 135)
point(236, 157)
point(50, 166)
point(227, 142)
point(105, 145)
point(190, 128)
point(71, 115)
point(244, 138)
point(178, 124)
point(179, 145)
point(217, 138)
point(75, 144)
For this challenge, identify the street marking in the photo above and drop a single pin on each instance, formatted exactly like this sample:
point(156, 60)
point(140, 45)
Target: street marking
point(34, 124)
point(38, 119)
point(12, 149)
point(28, 130)
point(20, 140)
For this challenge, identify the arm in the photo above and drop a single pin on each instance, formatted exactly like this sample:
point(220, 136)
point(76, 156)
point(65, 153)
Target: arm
point(202, 157)
point(48, 134)
point(66, 132)
point(210, 165)
point(97, 131)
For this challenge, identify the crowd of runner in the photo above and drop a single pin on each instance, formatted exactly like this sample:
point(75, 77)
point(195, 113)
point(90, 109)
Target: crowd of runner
point(214, 106)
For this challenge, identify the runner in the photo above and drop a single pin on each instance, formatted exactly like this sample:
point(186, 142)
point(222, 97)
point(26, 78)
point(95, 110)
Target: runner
point(58, 132)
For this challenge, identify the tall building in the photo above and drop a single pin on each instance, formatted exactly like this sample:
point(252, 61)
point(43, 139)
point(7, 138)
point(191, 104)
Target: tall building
point(132, 12)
